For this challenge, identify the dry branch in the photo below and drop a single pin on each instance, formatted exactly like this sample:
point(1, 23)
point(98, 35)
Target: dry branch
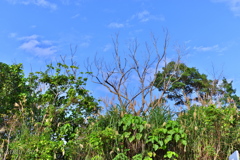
point(117, 78)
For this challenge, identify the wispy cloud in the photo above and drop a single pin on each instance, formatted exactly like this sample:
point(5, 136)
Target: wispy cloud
point(33, 26)
point(188, 41)
point(116, 25)
point(234, 5)
point(85, 44)
point(107, 47)
point(41, 3)
point(34, 45)
point(12, 35)
point(70, 2)
point(215, 48)
point(75, 16)
point(26, 38)
point(86, 40)
point(65, 2)
point(145, 16)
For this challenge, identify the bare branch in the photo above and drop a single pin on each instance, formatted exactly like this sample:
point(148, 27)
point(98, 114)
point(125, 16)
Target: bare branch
point(131, 78)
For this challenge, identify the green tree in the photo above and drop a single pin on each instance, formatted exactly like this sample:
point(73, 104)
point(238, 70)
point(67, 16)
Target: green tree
point(228, 94)
point(51, 111)
point(64, 96)
point(13, 90)
point(185, 83)
point(12, 85)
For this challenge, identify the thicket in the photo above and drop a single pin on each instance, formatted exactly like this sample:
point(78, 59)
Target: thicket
point(51, 115)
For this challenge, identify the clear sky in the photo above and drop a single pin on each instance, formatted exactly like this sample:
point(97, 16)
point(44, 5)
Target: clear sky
point(34, 32)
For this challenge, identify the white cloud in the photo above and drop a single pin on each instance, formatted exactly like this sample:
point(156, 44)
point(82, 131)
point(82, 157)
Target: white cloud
point(107, 47)
point(33, 45)
point(221, 54)
point(215, 48)
point(47, 42)
point(33, 26)
point(188, 41)
point(86, 41)
point(115, 25)
point(204, 49)
point(41, 3)
point(233, 4)
point(34, 36)
point(70, 2)
point(78, 2)
point(145, 16)
point(85, 44)
point(12, 35)
point(65, 2)
point(75, 16)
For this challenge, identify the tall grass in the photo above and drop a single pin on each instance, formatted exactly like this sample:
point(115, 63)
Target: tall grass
point(212, 133)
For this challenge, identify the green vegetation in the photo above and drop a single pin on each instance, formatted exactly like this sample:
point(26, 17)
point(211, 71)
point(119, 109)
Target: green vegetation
point(43, 115)
point(51, 115)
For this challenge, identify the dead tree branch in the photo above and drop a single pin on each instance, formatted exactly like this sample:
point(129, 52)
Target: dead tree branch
point(131, 78)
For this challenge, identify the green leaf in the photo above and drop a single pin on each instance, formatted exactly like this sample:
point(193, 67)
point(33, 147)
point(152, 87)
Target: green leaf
point(160, 142)
point(151, 154)
point(126, 134)
point(147, 158)
point(162, 130)
point(184, 142)
point(137, 157)
point(170, 154)
point(171, 132)
point(138, 136)
point(168, 139)
point(132, 138)
point(141, 127)
point(155, 147)
point(176, 137)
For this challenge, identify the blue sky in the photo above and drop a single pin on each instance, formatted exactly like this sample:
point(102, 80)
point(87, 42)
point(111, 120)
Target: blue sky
point(34, 32)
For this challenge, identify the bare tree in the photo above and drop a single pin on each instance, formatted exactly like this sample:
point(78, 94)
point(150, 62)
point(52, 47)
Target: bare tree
point(131, 78)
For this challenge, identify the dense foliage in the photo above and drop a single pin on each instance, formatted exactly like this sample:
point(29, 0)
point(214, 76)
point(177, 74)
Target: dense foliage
point(51, 115)
point(184, 83)
point(43, 114)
